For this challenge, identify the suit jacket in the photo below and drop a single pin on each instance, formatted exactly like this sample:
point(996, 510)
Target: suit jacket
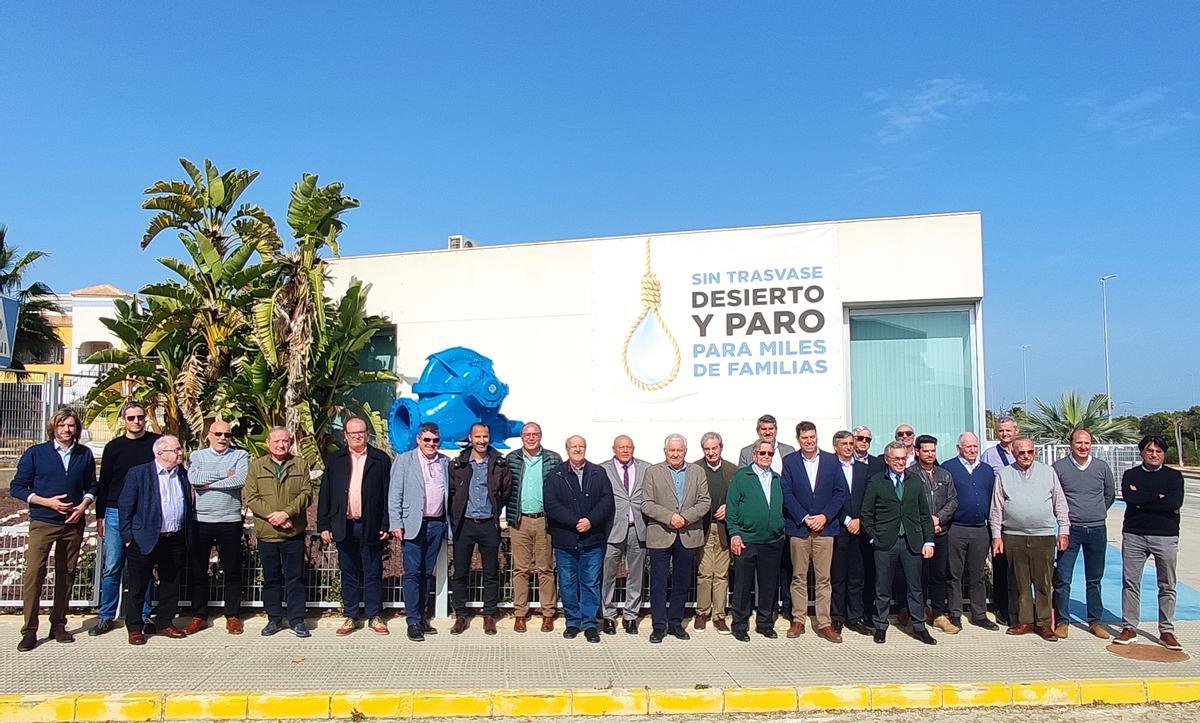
point(333, 502)
point(567, 501)
point(852, 507)
point(499, 482)
point(659, 503)
point(943, 497)
point(623, 501)
point(801, 499)
point(140, 506)
point(882, 512)
point(875, 464)
point(406, 493)
point(746, 456)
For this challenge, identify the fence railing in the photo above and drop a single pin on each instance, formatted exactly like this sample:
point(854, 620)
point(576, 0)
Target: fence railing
point(1119, 457)
point(28, 399)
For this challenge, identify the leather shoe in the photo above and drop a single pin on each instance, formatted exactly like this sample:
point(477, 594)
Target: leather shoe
point(829, 634)
point(137, 638)
point(148, 626)
point(1022, 629)
point(101, 627)
point(233, 626)
point(1126, 636)
point(592, 635)
point(378, 626)
point(1169, 641)
point(924, 637)
point(61, 635)
point(460, 625)
point(195, 625)
point(720, 626)
point(984, 623)
point(348, 626)
point(170, 631)
point(489, 625)
point(28, 642)
point(631, 626)
point(1099, 631)
point(858, 627)
point(880, 636)
point(547, 623)
point(427, 628)
point(657, 635)
point(1047, 633)
point(300, 630)
point(741, 636)
point(519, 625)
point(610, 627)
point(271, 628)
point(767, 633)
point(1061, 630)
point(796, 629)
point(415, 633)
point(571, 632)
point(699, 621)
point(678, 632)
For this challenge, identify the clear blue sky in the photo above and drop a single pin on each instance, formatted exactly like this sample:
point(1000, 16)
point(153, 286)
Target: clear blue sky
point(1073, 127)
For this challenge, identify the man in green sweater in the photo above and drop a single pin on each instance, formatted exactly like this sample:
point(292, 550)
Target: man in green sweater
point(754, 521)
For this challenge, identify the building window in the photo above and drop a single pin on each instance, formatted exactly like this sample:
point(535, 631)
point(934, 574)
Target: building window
point(915, 367)
point(55, 356)
point(88, 348)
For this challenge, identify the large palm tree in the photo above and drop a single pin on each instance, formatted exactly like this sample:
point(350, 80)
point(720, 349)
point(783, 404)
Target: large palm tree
point(1054, 423)
point(36, 338)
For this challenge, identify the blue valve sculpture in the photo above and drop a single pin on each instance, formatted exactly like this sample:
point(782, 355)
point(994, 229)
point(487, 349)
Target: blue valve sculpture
point(457, 389)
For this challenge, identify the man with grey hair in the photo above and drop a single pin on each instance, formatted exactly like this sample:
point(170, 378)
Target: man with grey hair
point(712, 561)
point(766, 428)
point(626, 536)
point(998, 457)
point(675, 499)
point(862, 449)
point(968, 536)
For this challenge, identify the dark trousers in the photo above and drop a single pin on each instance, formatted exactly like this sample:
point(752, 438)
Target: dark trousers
point(1093, 541)
point(420, 562)
point(886, 562)
point(848, 575)
point(682, 563)
point(1032, 560)
point(968, 547)
point(361, 563)
point(282, 566)
point(227, 538)
point(66, 539)
point(756, 569)
point(1004, 598)
point(485, 534)
point(168, 556)
point(935, 574)
point(783, 594)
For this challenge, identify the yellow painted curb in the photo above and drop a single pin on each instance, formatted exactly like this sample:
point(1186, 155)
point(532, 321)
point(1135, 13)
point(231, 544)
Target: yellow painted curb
point(696, 700)
point(635, 701)
point(266, 706)
point(205, 706)
point(833, 697)
point(1051, 692)
point(37, 708)
point(527, 703)
point(372, 704)
point(1117, 690)
point(906, 695)
point(964, 695)
point(451, 703)
point(118, 707)
point(1172, 690)
point(760, 700)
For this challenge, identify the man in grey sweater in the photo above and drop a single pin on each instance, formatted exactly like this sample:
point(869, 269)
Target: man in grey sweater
point(1090, 489)
point(1027, 506)
point(217, 474)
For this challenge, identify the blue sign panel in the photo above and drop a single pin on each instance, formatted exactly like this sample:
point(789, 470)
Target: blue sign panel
point(8, 329)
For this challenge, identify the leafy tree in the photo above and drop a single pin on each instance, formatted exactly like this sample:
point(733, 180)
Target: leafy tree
point(35, 337)
point(1053, 423)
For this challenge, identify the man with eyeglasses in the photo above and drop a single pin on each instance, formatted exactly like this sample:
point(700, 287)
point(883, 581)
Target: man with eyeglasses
point(156, 512)
point(851, 550)
point(121, 454)
point(767, 427)
point(417, 503)
point(352, 513)
point(862, 450)
point(1153, 494)
point(528, 537)
point(754, 519)
point(1028, 506)
point(906, 436)
point(217, 474)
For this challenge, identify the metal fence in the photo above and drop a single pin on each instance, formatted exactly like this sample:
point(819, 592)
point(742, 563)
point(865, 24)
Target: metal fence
point(1119, 457)
point(28, 399)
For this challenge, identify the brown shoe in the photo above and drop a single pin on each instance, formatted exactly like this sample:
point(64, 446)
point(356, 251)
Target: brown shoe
point(1126, 636)
point(1169, 641)
point(195, 625)
point(171, 631)
point(460, 625)
point(61, 635)
point(721, 627)
point(1047, 633)
point(1061, 630)
point(1099, 631)
point(829, 634)
point(1022, 629)
point(348, 626)
point(137, 639)
point(547, 623)
point(378, 626)
point(233, 626)
point(699, 621)
point(941, 622)
point(489, 625)
point(519, 624)
point(796, 629)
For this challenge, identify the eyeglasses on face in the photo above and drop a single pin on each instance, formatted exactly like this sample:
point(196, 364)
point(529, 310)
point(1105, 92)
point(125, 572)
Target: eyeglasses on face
point(356, 434)
point(907, 433)
point(222, 435)
point(1024, 453)
point(135, 417)
point(766, 452)
point(174, 450)
point(862, 438)
point(430, 440)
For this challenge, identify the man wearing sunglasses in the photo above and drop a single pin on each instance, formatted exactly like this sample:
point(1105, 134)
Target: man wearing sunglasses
point(134, 447)
point(217, 474)
point(906, 436)
point(862, 450)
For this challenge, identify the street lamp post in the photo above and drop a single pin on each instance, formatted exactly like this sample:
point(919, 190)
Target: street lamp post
point(1025, 375)
point(1104, 301)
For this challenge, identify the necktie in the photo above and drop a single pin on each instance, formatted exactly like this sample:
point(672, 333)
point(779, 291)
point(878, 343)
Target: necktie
point(899, 481)
point(1003, 456)
point(628, 491)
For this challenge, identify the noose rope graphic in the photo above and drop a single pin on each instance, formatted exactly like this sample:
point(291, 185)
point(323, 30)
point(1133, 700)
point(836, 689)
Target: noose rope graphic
point(651, 300)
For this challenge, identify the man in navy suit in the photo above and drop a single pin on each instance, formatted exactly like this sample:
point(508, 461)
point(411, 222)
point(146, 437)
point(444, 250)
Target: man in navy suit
point(155, 509)
point(850, 548)
point(813, 495)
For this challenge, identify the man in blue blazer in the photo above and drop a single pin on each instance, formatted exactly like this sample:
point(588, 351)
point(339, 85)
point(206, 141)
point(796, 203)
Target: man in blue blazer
point(813, 495)
point(156, 510)
point(851, 549)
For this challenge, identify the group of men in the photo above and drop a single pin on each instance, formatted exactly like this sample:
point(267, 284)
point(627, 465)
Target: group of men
point(869, 529)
